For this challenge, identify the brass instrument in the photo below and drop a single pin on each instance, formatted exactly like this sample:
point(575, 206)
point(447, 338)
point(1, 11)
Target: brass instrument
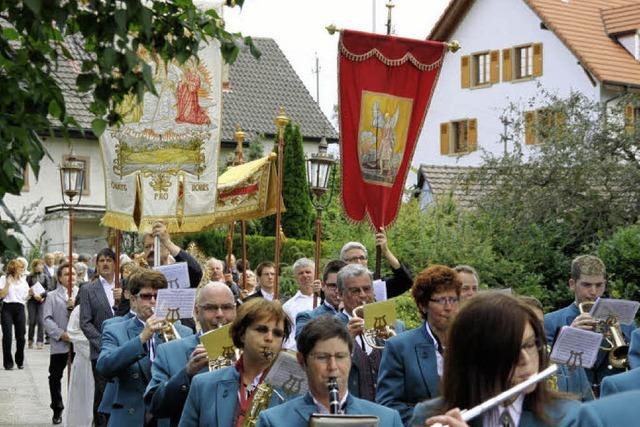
point(377, 336)
point(169, 331)
point(261, 398)
point(334, 396)
point(613, 336)
point(229, 356)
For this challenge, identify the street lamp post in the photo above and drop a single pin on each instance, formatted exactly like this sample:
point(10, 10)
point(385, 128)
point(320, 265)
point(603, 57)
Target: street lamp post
point(71, 184)
point(319, 167)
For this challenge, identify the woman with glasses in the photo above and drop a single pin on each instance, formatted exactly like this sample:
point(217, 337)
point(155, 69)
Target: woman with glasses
point(495, 343)
point(224, 397)
point(412, 362)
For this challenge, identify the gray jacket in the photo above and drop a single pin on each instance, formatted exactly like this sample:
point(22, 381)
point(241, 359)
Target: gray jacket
point(56, 318)
point(94, 309)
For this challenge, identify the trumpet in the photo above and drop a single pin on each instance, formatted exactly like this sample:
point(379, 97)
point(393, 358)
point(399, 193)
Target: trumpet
point(229, 356)
point(168, 329)
point(377, 336)
point(613, 336)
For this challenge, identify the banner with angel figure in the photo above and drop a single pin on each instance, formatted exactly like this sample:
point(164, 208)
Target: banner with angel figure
point(162, 162)
point(385, 86)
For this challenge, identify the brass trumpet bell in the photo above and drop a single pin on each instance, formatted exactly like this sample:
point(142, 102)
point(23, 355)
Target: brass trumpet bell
point(169, 331)
point(613, 336)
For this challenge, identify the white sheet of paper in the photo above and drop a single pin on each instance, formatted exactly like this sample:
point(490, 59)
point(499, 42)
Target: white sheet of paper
point(624, 310)
point(181, 299)
point(287, 374)
point(177, 275)
point(37, 289)
point(577, 346)
point(380, 290)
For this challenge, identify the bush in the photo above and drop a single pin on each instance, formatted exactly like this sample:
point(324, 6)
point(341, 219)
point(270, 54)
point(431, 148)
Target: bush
point(620, 253)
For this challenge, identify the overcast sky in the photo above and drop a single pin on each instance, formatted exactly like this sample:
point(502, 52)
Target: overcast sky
point(298, 28)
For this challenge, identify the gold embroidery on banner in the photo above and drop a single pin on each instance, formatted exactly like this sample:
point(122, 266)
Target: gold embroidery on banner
point(387, 61)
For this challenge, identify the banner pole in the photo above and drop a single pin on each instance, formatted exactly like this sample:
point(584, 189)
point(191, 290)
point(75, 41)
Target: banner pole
point(281, 122)
point(156, 251)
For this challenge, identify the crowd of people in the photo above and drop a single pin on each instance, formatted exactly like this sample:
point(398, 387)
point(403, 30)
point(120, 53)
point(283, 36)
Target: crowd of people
point(471, 346)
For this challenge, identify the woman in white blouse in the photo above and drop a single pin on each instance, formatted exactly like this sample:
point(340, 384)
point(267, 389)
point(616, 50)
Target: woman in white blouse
point(80, 395)
point(14, 291)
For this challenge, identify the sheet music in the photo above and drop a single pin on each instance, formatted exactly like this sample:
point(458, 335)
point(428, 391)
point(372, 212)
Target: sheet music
point(216, 341)
point(177, 275)
point(383, 311)
point(181, 299)
point(380, 290)
point(287, 374)
point(624, 310)
point(37, 289)
point(576, 347)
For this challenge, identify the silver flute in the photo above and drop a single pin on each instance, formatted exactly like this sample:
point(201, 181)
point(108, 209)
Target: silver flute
point(468, 415)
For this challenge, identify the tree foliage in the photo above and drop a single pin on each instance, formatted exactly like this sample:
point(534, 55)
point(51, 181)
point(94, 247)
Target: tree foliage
point(102, 37)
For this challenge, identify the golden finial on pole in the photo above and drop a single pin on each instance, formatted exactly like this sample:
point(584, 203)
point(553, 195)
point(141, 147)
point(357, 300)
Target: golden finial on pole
point(332, 29)
point(239, 135)
point(453, 46)
point(389, 7)
point(281, 121)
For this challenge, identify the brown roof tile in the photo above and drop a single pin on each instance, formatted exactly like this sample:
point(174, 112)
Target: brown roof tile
point(622, 19)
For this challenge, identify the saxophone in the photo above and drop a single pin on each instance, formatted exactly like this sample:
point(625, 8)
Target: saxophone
point(261, 398)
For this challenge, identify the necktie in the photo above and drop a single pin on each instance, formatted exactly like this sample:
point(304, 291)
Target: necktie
point(505, 419)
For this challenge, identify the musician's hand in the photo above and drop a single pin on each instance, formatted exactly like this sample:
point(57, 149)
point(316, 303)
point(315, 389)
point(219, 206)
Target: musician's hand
point(452, 418)
point(584, 321)
point(355, 326)
point(197, 360)
point(316, 286)
point(151, 326)
point(117, 294)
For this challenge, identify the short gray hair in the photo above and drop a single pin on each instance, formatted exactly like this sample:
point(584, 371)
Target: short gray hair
point(349, 271)
point(80, 267)
point(352, 245)
point(463, 268)
point(302, 263)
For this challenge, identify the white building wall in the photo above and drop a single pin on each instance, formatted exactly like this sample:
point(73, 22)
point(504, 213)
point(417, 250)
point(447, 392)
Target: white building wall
point(494, 25)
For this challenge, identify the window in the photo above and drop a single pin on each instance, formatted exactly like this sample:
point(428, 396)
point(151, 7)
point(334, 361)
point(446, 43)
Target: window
point(543, 124)
point(480, 69)
point(631, 115)
point(87, 172)
point(522, 62)
point(481, 72)
point(459, 136)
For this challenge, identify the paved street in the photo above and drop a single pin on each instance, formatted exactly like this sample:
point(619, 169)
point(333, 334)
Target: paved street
point(24, 394)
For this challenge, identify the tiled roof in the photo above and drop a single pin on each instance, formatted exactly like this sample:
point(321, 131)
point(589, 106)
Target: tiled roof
point(257, 90)
point(622, 19)
point(450, 180)
point(580, 26)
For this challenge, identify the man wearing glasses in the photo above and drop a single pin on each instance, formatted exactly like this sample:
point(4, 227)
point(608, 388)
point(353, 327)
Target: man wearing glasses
point(411, 365)
point(180, 360)
point(355, 285)
point(399, 282)
point(129, 346)
point(324, 351)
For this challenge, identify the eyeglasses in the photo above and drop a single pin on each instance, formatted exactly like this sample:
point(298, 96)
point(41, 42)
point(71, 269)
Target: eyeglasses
point(148, 297)
point(216, 307)
point(445, 300)
point(356, 258)
point(357, 291)
point(325, 358)
point(263, 329)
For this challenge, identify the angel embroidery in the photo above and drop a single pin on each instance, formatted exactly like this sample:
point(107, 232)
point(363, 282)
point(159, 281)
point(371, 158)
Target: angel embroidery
point(188, 103)
point(384, 125)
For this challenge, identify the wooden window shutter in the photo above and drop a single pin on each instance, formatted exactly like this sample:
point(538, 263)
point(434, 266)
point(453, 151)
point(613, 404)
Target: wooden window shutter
point(537, 59)
point(506, 65)
point(494, 55)
point(472, 134)
point(465, 71)
point(444, 138)
point(629, 119)
point(530, 127)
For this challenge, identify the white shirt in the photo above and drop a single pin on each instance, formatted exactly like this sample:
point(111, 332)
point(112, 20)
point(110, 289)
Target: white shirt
point(51, 270)
point(439, 358)
point(296, 304)
point(491, 418)
point(108, 290)
point(18, 291)
point(323, 409)
point(266, 295)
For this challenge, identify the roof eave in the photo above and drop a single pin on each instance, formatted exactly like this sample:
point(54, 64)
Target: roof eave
point(449, 20)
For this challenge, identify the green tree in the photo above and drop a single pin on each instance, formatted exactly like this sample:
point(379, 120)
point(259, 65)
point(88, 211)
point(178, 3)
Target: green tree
point(298, 219)
point(102, 38)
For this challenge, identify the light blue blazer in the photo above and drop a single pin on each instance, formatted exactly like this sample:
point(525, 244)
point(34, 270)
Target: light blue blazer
point(169, 386)
point(213, 399)
point(574, 381)
point(296, 412)
point(625, 381)
point(123, 356)
point(634, 350)
point(560, 411)
point(408, 372)
point(111, 389)
point(617, 410)
point(305, 316)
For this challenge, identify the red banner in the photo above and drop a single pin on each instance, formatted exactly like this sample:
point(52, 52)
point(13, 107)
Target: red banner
point(385, 86)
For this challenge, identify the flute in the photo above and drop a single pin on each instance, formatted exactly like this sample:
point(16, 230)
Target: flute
point(468, 415)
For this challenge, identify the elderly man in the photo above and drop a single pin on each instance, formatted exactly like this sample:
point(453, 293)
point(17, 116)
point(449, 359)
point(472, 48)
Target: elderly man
point(325, 349)
point(470, 281)
point(179, 361)
point(303, 271)
point(129, 346)
point(331, 296)
point(588, 283)
point(412, 363)
point(56, 311)
point(356, 253)
point(215, 269)
point(355, 285)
